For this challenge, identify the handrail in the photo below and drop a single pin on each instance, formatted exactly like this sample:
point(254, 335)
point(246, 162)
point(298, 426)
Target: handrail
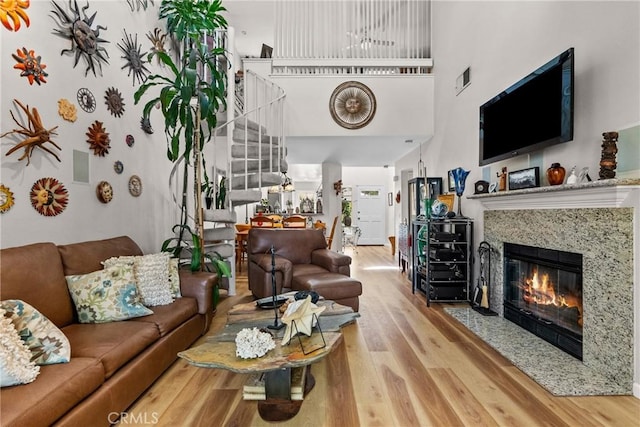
point(267, 95)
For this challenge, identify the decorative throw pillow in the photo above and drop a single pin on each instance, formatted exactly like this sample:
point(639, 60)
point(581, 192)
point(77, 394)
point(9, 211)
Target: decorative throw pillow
point(106, 295)
point(174, 278)
point(16, 366)
point(47, 343)
point(151, 276)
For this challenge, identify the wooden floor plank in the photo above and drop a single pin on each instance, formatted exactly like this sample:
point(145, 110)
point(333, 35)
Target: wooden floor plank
point(400, 364)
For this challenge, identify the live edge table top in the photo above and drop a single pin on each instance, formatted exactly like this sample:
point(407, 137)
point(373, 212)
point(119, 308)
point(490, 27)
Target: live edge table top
point(219, 351)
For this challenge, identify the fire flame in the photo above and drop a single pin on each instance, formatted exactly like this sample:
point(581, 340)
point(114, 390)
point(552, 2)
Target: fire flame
point(538, 289)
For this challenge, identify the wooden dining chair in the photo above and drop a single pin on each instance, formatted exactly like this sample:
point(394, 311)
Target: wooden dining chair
point(277, 220)
point(294, 221)
point(241, 243)
point(333, 230)
point(262, 221)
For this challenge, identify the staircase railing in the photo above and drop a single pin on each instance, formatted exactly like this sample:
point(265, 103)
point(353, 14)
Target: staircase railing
point(259, 130)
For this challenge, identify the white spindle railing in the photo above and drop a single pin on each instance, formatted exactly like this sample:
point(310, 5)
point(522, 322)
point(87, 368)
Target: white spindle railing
point(347, 36)
point(265, 117)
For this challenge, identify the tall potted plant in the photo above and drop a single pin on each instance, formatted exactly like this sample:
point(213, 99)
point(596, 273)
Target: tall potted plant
point(190, 94)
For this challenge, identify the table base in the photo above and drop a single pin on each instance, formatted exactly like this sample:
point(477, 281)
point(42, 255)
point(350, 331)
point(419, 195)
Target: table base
point(276, 409)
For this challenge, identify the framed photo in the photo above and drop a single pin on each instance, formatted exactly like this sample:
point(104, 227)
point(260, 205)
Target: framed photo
point(524, 178)
point(435, 186)
point(452, 182)
point(447, 199)
point(390, 199)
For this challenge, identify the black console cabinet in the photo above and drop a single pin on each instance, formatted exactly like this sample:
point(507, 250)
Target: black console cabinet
point(443, 258)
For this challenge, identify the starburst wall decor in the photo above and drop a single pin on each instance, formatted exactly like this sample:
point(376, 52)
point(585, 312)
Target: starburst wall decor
point(75, 26)
point(14, 10)
point(137, 4)
point(134, 58)
point(115, 102)
point(157, 39)
point(49, 197)
point(98, 139)
point(86, 100)
point(31, 66)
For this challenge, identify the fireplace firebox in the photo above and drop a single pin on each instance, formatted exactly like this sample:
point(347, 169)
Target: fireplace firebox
point(543, 294)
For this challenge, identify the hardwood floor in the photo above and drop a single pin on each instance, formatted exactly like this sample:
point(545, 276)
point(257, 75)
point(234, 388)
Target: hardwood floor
point(401, 364)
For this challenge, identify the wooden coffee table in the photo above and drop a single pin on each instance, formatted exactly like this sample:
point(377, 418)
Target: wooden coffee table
point(219, 351)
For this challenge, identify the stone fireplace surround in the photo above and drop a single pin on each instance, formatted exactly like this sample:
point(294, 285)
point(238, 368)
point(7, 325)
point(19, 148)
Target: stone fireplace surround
point(597, 220)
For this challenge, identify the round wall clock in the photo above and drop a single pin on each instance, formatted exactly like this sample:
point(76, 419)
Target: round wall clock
point(135, 185)
point(352, 105)
point(104, 191)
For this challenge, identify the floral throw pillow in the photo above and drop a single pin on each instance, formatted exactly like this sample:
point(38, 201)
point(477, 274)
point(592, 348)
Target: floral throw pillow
point(151, 276)
point(106, 295)
point(16, 366)
point(47, 343)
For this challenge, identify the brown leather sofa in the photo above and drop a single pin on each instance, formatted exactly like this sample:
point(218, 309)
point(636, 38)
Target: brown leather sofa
point(112, 364)
point(302, 262)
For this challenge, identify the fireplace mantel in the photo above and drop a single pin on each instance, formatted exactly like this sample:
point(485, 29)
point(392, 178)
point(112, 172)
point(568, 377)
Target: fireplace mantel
point(609, 193)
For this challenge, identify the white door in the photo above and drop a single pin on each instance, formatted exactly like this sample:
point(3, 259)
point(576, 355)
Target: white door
point(369, 202)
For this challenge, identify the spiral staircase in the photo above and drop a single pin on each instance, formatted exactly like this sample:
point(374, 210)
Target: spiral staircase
point(248, 150)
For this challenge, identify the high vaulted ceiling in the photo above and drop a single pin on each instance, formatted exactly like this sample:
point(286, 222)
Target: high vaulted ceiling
point(253, 22)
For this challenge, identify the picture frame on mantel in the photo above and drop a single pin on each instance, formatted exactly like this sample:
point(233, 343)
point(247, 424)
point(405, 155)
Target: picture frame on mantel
point(524, 178)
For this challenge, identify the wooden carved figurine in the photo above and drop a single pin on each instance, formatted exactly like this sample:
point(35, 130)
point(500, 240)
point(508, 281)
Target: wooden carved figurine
point(608, 160)
point(36, 135)
point(502, 186)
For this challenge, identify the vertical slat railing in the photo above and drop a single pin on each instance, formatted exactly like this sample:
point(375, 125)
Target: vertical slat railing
point(368, 29)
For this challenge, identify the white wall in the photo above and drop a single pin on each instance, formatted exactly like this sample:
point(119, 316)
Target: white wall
point(148, 218)
point(396, 112)
point(503, 42)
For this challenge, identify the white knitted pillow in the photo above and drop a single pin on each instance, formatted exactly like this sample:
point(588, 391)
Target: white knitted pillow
point(16, 366)
point(151, 274)
point(174, 278)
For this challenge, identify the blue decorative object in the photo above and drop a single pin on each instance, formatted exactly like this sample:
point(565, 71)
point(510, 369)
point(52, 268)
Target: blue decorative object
point(459, 178)
point(438, 209)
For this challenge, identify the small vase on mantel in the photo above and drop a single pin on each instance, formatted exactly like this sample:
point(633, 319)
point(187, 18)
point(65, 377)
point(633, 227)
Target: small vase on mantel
point(555, 174)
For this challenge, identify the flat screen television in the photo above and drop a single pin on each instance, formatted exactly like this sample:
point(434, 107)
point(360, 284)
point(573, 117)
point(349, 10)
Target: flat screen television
point(532, 114)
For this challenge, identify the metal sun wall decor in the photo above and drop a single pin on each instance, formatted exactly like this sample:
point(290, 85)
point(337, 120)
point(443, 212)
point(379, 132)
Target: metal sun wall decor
point(352, 105)
point(49, 197)
point(134, 58)
point(114, 101)
point(14, 10)
point(30, 65)
point(157, 39)
point(85, 41)
point(145, 125)
point(104, 192)
point(138, 4)
point(36, 134)
point(6, 199)
point(86, 100)
point(98, 139)
point(67, 110)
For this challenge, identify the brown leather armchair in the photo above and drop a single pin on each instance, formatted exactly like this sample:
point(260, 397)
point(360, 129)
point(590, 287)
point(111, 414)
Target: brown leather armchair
point(302, 262)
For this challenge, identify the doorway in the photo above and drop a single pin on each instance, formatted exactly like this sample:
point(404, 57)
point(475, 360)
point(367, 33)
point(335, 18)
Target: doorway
point(369, 203)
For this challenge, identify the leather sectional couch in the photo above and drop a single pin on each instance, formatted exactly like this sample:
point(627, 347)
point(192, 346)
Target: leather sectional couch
point(111, 364)
point(302, 263)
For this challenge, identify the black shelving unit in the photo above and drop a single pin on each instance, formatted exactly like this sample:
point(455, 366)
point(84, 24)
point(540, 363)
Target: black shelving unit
point(443, 258)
